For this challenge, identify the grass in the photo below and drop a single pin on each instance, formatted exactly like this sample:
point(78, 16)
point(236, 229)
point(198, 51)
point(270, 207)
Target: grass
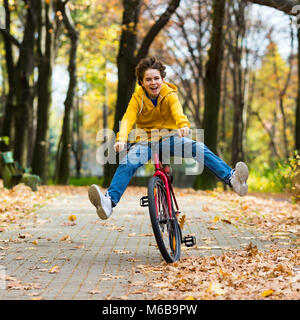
point(85, 181)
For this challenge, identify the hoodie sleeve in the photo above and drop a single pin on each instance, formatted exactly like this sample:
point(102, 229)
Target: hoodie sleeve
point(177, 111)
point(128, 120)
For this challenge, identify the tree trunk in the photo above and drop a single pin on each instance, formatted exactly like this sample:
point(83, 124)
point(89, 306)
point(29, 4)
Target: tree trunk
point(25, 67)
point(45, 63)
point(77, 140)
point(212, 88)
point(239, 80)
point(128, 59)
point(63, 171)
point(7, 123)
point(297, 124)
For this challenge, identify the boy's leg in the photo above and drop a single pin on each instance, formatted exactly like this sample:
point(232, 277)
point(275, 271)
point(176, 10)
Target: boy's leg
point(188, 148)
point(136, 157)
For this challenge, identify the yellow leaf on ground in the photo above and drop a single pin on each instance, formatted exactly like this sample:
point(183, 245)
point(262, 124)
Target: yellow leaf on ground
point(267, 293)
point(215, 287)
point(189, 298)
point(216, 219)
point(72, 218)
point(54, 269)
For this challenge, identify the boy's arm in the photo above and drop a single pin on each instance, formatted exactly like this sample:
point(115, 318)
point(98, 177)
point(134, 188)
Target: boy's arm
point(177, 112)
point(128, 120)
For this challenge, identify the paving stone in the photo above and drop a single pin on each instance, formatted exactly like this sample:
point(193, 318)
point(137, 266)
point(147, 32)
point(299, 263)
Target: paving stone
point(97, 258)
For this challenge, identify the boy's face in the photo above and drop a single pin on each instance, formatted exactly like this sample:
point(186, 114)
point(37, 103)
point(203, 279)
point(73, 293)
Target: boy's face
point(152, 82)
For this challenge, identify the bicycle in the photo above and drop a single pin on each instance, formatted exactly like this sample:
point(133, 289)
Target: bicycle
point(164, 218)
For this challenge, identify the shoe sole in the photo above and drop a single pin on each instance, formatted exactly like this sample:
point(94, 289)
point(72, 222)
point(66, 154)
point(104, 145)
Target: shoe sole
point(242, 173)
point(95, 198)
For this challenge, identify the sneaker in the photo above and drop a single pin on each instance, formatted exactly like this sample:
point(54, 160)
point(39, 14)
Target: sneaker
point(101, 202)
point(239, 178)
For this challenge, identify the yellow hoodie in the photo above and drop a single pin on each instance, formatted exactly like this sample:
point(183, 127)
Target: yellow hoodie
point(168, 114)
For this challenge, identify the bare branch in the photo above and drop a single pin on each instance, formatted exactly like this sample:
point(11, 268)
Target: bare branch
point(285, 6)
point(156, 28)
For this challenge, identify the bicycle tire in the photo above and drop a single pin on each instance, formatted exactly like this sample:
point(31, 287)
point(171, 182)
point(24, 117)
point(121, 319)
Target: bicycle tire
point(169, 240)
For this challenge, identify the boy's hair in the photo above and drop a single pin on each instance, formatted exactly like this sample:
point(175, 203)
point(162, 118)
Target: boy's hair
point(149, 63)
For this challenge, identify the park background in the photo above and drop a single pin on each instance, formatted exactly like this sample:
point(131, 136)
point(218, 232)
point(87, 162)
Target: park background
point(67, 71)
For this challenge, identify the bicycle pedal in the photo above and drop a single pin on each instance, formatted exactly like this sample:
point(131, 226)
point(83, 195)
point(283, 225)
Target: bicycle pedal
point(144, 202)
point(189, 241)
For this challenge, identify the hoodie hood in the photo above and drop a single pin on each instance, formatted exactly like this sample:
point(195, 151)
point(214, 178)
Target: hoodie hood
point(166, 89)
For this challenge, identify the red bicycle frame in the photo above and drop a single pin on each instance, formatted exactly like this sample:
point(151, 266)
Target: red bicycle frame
point(159, 171)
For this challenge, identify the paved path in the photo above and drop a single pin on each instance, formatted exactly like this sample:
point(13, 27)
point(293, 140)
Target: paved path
point(95, 259)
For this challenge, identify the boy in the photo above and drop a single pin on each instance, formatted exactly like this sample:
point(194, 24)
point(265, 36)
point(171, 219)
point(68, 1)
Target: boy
point(155, 105)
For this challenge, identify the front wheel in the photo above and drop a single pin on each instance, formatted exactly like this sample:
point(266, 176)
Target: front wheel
point(166, 230)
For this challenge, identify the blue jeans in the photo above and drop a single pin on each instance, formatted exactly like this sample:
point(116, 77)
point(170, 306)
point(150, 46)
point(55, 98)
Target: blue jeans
point(184, 147)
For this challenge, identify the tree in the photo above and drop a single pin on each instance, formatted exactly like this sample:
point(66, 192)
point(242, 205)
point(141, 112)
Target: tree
point(236, 46)
point(48, 29)
point(9, 42)
point(64, 149)
point(130, 55)
point(297, 118)
point(212, 88)
point(22, 90)
point(285, 6)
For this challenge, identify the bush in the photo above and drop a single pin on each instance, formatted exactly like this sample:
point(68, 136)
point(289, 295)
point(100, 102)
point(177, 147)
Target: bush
point(291, 172)
point(85, 181)
point(268, 179)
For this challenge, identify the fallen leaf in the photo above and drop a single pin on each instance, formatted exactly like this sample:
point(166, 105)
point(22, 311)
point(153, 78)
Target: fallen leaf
point(205, 208)
point(79, 246)
point(131, 234)
point(95, 291)
point(72, 218)
point(182, 221)
point(65, 238)
point(54, 269)
point(121, 251)
point(35, 242)
point(131, 259)
point(213, 228)
point(216, 219)
point(266, 293)
point(189, 298)
point(226, 221)
point(215, 288)
point(24, 235)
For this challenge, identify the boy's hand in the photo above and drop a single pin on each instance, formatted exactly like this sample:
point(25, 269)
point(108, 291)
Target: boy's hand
point(119, 146)
point(182, 132)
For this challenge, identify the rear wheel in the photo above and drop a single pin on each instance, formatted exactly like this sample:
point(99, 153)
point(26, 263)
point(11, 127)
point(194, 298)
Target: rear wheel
point(166, 230)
